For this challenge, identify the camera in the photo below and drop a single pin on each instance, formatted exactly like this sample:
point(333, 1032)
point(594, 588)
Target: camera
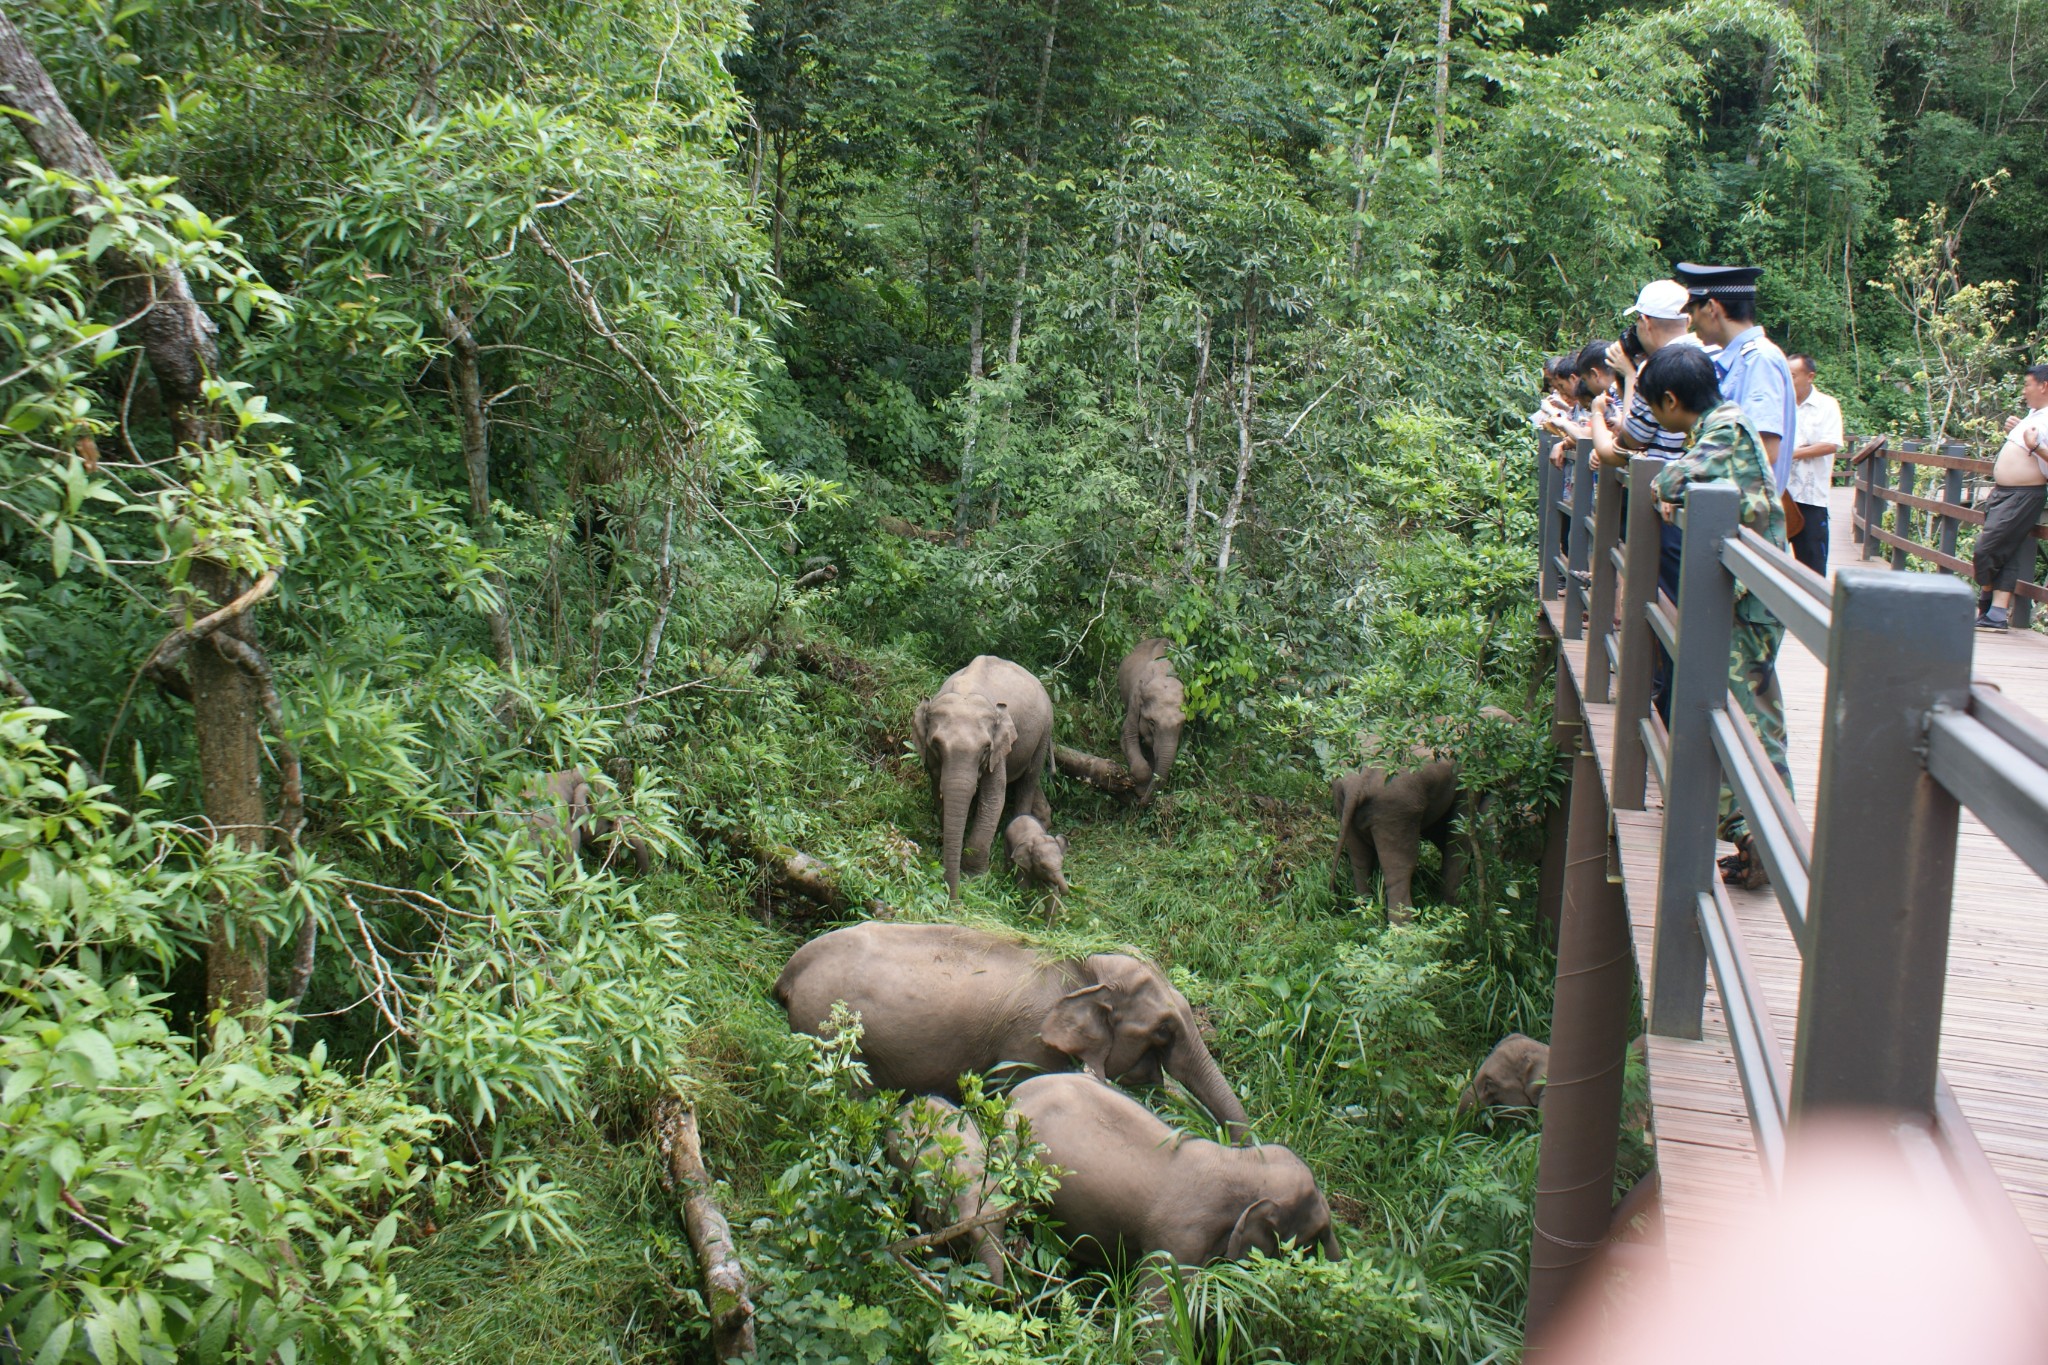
point(1632, 347)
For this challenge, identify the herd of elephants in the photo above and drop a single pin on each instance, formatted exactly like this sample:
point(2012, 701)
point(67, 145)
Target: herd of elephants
point(937, 1002)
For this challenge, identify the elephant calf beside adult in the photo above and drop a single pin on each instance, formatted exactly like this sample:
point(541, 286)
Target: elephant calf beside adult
point(985, 738)
point(1154, 714)
point(937, 1001)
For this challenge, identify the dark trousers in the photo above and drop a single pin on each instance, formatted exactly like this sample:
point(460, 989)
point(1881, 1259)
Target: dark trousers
point(2005, 547)
point(1810, 546)
point(1670, 551)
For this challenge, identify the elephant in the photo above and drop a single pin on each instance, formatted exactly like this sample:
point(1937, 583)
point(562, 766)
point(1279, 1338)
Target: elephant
point(919, 1139)
point(937, 1001)
point(1130, 1185)
point(986, 738)
point(1389, 815)
point(1154, 714)
point(1039, 857)
point(568, 795)
point(1512, 1076)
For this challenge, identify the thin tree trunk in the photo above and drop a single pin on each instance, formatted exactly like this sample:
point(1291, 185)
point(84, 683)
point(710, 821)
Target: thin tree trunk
point(1191, 435)
point(476, 462)
point(976, 343)
point(1052, 25)
point(781, 200)
point(178, 339)
point(1244, 411)
point(665, 585)
point(1443, 77)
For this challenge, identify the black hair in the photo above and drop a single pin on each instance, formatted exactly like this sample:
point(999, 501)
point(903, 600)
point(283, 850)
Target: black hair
point(1739, 307)
point(2038, 373)
point(1559, 367)
point(1594, 357)
point(1686, 373)
point(1802, 358)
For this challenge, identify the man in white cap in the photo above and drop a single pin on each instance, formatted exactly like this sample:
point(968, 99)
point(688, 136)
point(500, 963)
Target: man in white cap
point(1659, 311)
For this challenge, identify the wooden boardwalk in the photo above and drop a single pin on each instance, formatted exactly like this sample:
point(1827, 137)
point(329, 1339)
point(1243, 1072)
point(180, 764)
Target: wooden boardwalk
point(1995, 1024)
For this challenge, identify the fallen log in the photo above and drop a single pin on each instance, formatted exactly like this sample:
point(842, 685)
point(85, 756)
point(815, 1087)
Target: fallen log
point(725, 1279)
point(1099, 773)
point(816, 578)
point(910, 530)
point(791, 871)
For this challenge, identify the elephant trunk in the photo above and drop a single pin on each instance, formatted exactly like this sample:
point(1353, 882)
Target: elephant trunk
point(1163, 750)
point(988, 815)
point(1191, 1065)
point(955, 790)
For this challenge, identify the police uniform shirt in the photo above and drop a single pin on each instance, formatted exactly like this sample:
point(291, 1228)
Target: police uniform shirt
point(1754, 374)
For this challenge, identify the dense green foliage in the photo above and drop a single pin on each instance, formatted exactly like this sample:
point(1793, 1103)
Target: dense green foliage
point(558, 340)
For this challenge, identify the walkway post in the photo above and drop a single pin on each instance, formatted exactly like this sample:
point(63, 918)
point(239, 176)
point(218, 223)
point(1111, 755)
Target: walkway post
point(1579, 552)
point(1638, 643)
point(1699, 687)
point(1588, 1053)
point(1884, 849)
point(1607, 498)
point(1546, 519)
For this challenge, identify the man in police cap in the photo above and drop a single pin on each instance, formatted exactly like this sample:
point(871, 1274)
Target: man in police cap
point(1721, 301)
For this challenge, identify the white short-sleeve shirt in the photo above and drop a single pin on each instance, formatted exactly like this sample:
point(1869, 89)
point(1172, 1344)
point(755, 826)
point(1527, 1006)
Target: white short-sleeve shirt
point(1820, 423)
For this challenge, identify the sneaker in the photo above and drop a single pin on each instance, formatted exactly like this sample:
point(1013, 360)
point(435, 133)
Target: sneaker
point(1994, 619)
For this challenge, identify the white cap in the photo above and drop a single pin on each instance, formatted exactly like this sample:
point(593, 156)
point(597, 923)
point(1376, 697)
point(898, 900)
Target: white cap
point(1662, 299)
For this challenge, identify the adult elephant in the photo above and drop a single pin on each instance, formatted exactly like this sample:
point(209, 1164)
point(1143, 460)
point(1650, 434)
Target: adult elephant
point(1131, 1186)
point(1154, 714)
point(937, 1001)
point(985, 738)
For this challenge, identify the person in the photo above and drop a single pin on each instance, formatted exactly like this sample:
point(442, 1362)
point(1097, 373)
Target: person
point(1683, 390)
point(1560, 414)
point(1813, 463)
point(1659, 311)
point(1721, 301)
point(2019, 477)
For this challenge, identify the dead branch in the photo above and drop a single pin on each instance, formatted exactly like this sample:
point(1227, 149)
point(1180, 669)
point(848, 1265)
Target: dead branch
point(910, 530)
point(816, 578)
point(1099, 773)
point(943, 1235)
point(172, 647)
point(725, 1279)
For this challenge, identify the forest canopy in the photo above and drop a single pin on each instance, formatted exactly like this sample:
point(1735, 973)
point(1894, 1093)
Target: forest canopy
point(405, 402)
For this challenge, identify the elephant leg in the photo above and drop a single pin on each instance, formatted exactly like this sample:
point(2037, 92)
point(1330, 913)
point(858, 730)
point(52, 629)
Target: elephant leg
point(1399, 847)
point(974, 861)
point(1360, 852)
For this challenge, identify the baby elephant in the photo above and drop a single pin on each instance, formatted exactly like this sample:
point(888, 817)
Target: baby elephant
point(1512, 1076)
point(925, 1129)
point(1155, 711)
point(1039, 857)
point(563, 817)
point(1130, 1185)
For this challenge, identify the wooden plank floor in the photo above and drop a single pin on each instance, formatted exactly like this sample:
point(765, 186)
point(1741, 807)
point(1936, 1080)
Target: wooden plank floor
point(1995, 1025)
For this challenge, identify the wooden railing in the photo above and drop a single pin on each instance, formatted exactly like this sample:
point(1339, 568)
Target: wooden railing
point(1941, 505)
point(1907, 742)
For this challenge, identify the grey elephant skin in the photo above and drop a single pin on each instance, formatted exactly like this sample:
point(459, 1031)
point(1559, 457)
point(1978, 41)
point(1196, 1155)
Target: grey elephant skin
point(1039, 857)
point(985, 738)
point(1131, 1185)
point(1154, 714)
point(1513, 1075)
point(938, 1001)
point(1383, 817)
point(915, 1141)
point(568, 795)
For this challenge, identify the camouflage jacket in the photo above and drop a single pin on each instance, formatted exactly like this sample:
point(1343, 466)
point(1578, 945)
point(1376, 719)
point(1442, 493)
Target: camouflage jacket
point(1725, 446)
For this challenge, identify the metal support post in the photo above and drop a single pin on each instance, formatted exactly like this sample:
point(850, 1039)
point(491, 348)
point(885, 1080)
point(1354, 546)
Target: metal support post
point(1546, 517)
point(1580, 545)
point(1638, 643)
point(1699, 687)
point(1884, 851)
point(1566, 724)
point(1607, 499)
point(1588, 1052)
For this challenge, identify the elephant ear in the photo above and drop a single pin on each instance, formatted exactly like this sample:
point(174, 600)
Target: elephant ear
point(921, 727)
point(1002, 737)
point(1258, 1226)
point(1061, 840)
point(1080, 1026)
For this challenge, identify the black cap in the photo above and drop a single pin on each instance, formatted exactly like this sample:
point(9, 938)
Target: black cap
point(1717, 281)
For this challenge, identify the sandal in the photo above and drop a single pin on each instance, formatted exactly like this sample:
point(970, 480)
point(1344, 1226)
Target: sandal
point(1743, 868)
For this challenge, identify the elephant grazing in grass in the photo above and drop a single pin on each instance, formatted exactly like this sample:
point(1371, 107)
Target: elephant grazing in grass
point(563, 817)
point(1131, 1186)
point(937, 1001)
point(926, 1129)
point(985, 738)
point(1154, 714)
point(1039, 857)
point(1385, 817)
point(1512, 1076)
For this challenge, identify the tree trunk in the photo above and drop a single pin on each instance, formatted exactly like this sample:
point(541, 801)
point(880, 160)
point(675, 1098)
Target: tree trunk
point(1191, 437)
point(665, 586)
point(476, 462)
point(1443, 77)
point(976, 343)
point(1244, 410)
point(1052, 25)
point(178, 339)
